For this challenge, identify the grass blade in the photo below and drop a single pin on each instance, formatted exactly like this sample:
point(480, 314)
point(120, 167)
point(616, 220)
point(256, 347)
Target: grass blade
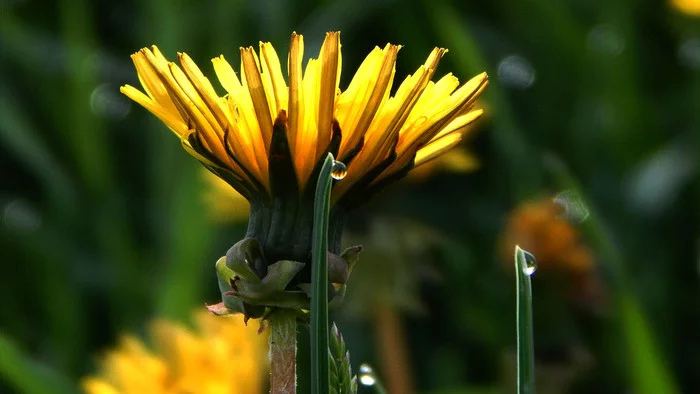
point(320, 368)
point(28, 376)
point(648, 370)
point(524, 267)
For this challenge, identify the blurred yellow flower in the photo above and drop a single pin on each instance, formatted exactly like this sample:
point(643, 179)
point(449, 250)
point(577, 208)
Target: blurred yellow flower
point(456, 160)
point(224, 204)
point(263, 128)
point(689, 7)
point(223, 356)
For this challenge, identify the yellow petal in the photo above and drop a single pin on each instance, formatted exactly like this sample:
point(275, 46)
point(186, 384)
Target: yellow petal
point(328, 85)
point(459, 123)
point(272, 77)
point(307, 133)
point(296, 92)
point(368, 89)
point(244, 126)
point(204, 88)
point(207, 127)
point(257, 94)
point(227, 77)
point(170, 118)
point(383, 133)
point(436, 148)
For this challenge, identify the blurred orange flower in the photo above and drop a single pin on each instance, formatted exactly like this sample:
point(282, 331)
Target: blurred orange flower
point(539, 228)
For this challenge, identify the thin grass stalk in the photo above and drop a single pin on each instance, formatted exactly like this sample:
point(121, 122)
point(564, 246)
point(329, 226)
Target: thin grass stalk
point(320, 368)
point(524, 267)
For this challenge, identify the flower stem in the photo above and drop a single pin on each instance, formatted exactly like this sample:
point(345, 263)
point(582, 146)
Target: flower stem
point(283, 352)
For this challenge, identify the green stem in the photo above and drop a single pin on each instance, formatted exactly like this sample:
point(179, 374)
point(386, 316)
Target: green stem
point(320, 368)
point(283, 352)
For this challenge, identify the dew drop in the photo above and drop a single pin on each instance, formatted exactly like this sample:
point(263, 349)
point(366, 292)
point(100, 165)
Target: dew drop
point(367, 375)
point(339, 170)
point(530, 263)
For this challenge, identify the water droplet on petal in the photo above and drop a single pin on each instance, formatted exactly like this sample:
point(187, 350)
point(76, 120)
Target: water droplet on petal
point(572, 207)
point(530, 263)
point(367, 375)
point(339, 170)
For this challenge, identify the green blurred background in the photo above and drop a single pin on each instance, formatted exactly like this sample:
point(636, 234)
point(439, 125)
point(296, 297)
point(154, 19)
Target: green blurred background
point(104, 225)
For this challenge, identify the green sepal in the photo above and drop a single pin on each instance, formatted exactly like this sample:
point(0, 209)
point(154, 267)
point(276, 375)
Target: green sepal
point(232, 302)
point(351, 256)
point(279, 299)
point(338, 269)
point(246, 259)
point(278, 277)
point(335, 295)
point(253, 311)
point(224, 275)
point(283, 178)
point(337, 298)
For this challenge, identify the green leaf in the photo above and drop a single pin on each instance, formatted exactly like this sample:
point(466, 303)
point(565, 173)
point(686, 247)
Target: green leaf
point(524, 267)
point(648, 372)
point(319, 281)
point(28, 376)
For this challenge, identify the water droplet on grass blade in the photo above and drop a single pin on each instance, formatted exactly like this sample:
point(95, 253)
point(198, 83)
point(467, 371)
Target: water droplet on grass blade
point(339, 170)
point(530, 263)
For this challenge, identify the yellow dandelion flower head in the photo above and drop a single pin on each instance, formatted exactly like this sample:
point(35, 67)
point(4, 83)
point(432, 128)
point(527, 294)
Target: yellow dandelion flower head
point(223, 356)
point(266, 130)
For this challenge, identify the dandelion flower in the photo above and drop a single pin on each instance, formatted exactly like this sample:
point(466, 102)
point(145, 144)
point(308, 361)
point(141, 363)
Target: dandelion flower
point(266, 136)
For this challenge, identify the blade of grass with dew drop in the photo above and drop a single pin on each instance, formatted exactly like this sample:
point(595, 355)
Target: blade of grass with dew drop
point(28, 376)
point(524, 267)
point(320, 368)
